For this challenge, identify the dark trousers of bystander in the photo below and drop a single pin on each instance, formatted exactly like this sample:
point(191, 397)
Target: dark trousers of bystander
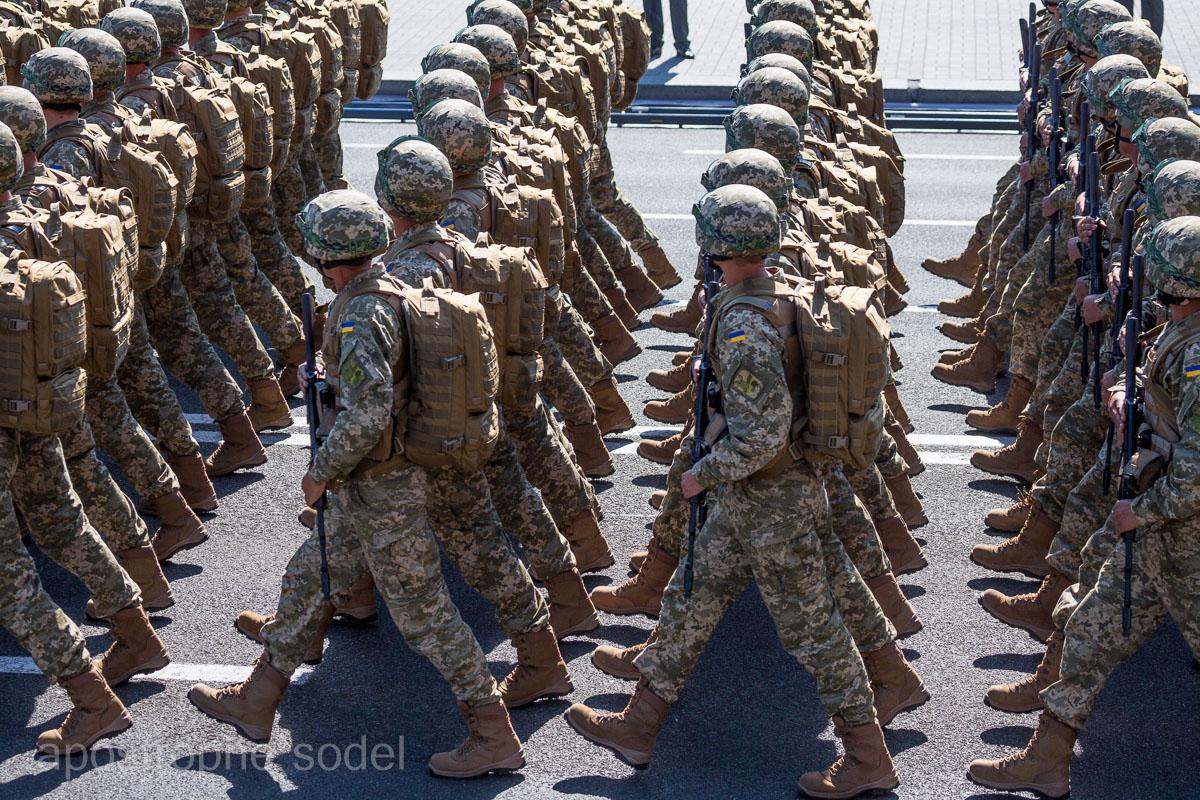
point(679, 24)
point(1151, 11)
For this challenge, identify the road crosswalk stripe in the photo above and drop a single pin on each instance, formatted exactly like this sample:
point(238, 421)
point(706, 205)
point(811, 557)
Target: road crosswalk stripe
point(218, 674)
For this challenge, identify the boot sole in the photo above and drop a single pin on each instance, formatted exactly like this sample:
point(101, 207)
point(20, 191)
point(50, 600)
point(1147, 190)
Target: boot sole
point(560, 689)
point(254, 734)
point(916, 523)
point(915, 565)
point(145, 668)
point(1032, 570)
point(959, 313)
point(656, 459)
point(907, 632)
point(634, 758)
point(666, 386)
point(584, 626)
point(121, 723)
point(243, 632)
point(667, 419)
point(670, 281)
point(351, 621)
point(1004, 527)
point(981, 388)
point(203, 507)
point(918, 698)
point(983, 427)
point(1042, 790)
point(247, 464)
point(672, 328)
point(602, 563)
point(631, 675)
point(275, 425)
point(1026, 478)
point(159, 605)
point(622, 426)
point(600, 472)
point(1013, 709)
point(628, 355)
point(508, 765)
point(187, 544)
point(631, 612)
point(883, 784)
point(916, 469)
point(961, 338)
point(1041, 634)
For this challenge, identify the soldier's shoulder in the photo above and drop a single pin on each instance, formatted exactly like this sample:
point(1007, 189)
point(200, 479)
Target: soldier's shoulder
point(743, 322)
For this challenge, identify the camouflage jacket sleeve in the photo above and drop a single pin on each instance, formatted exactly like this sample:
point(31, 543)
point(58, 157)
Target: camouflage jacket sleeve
point(370, 333)
point(1176, 496)
point(754, 393)
point(462, 218)
point(69, 157)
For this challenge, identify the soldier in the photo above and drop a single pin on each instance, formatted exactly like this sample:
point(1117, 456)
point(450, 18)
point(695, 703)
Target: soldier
point(738, 226)
point(375, 521)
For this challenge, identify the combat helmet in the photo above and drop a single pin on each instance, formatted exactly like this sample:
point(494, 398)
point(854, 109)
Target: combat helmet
point(171, 19)
point(414, 180)
point(1136, 101)
point(1173, 258)
point(206, 13)
point(22, 113)
point(103, 53)
point(1162, 139)
point(57, 75)
point(443, 84)
point(344, 225)
point(765, 127)
point(751, 167)
point(461, 131)
point(801, 12)
point(781, 61)
point(1131, 38)
point(781, 36)
point(777, 87)
point(1104, 76)
point(12, 165)
point(1084, 20)
point(462, 57)
point(137, 32)
point(1173, 190)
point(504, 15)
point(497, 47)
point(736, 221)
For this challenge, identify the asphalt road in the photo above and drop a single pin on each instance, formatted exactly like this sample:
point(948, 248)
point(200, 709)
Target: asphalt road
point(748, 722)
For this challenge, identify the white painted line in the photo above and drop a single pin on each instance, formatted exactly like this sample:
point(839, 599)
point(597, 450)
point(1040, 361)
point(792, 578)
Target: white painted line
point(269, 439)
point(942, 440)
point(955, 157)
point(942, 223)
point(704, 152)
point(921, 310)
point(298, 414)
point(667, 216)
point(956, 459)
point(219, 674)
point(661, 431)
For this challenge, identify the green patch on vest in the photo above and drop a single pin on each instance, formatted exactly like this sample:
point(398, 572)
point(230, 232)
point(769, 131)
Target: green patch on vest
point(353, 373)
point(747, 384)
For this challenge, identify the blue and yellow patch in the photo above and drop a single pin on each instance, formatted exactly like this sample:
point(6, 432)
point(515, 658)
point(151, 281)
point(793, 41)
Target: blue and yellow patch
point(1192, 372)
point(346, 327)
point(735, 337)
point(1141, 205)
point(448, 224)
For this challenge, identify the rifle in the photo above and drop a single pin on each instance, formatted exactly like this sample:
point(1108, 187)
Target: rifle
point(1085, 110)
point(697, 511)
point(1033, 56)
point(1127, 490)
point(1091, 208)
point(313, 397)
point(1123, 283)
point(1097, 257)
point(1056, 110)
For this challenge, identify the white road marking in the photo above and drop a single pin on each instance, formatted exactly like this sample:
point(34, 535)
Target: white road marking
point(268, 439)
point(941, 458)
point(219, 674)
point(298, 415)
point(969, 441)
point(923, 223)
point(907, 156)
point(921, 310)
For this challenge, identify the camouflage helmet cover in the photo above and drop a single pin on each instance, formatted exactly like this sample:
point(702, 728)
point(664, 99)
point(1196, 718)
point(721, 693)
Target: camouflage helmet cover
point(765, 127)
point(780, 36)
point(751, 167)
point(137, 32)
point(206, 13)
point(344, 225)
point(1138, 100)
point(414, 180)
point(497, 47)
point(1173, 190)
point(1162, 139)
point(504, 15)
point(801, 12)
point(781, 61)
point(12, 165)
point(777, 87)
point(462, 57)
point(171, 18)
point(443, 84)
point(1132, 38)
point(737, 221)
point(57, 75)
point(22, 113)
point(104, 55)
point(1104, 76)
point(461, 131)
point(1173, 257)
point(1084, 20)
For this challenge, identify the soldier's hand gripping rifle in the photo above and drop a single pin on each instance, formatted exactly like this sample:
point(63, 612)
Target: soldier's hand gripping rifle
point(1033, 54)
point(313, 398)
point(1124, 287)
point(697, 511)
point(1096, 255)
point(1055, 155)
point(1127, 489)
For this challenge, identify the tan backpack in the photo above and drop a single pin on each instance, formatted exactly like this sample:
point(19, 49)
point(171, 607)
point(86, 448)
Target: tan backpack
point(635, 35)
point(253, 105)
point(43, 341)
point(274, 75)
point(345, 15)
point(213, 120)
point(373, 18)
point(328, 107)
point(18, 43)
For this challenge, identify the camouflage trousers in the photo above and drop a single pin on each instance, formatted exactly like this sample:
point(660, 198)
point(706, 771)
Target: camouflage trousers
point(1038, 303)
point(1065, 390)
point(888, 460)
point(1165, 574)
point(595, 260)
point(872, 491)
point(465, 520)
point(283, 269)
point(766, 530)
point(26, 610)
point(289, 194)
point(670, 526)
point(1012, 268)
point(1045, 406)
point(854, 526)
point(1083, 514)
point(574, 338)
point(125, 441)
point(868, 625)
point(579, 285)
point(563, 387)
point(609, 201)
point(1004, 222)
point(263, 303)
point(379, 524)
point(42, 491)
point(224, 321)
point(108, 508)
point(150, 397)
point(616, 250)
point(1074, 443)
point(310, 170)
point(330, 156)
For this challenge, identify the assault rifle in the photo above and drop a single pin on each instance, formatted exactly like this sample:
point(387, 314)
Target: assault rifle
point(1091, 208)
point(314, 396)
point(1033, 56)
point(1081, 184)
point(1055, 155)
point(1127, 490)
point(1123, 291)
point(1098, 285)
point(697, 510)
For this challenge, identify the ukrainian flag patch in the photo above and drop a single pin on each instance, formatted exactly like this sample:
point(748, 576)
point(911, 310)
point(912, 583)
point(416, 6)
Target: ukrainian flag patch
point(1192, 372)
point(347, 327)
point(735, 337)
point(1141, 205)
point(448, 224)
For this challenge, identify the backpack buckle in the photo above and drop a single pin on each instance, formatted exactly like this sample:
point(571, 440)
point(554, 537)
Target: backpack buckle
point(492, 298)
point(833, 360)
point(16, 406)
point(11, 324)
point(837, 442)
point(453, 362)
point(453, 444)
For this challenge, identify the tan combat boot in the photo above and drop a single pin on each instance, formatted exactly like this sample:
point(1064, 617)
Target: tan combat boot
point(96, 713)
point(656, 499)
point(269, 410)
point(965, 332)
point(1004, 416)
point(587, 542)
point(681, 356)
point(642, 593)
point(179, 528)
point(357, 607)
point(618, 661)
point(977, 372)
point(622, 307)
point(295, 355)
point(250, 625)
point(967, 306)
point(540, 671)
point(248, 706)
point(907, 503)
point(239, 448)
point(1017, 459)
point(571, 610)
point(895, 605)
point(672, 380)
point(897, 686)
point(590, 451)
point(684, 319)
point(891, 394)
point(617, 345)
point(660, 451)
point(893, 301)
point(1025, 552)
point(491, 745)
point(1023, 696)
point(905, 448)
point(961, 268)
point(612, 412)
point(1012, 518)
point(142, 565)
point(136, 648)
point(1044, 766)
point(866, 764)
point(641, 292)
point(1032, 612)
point(629, 733)
point(950, 357)
point(673, 411)
point(194, 482)
point(902, 549)
point(659, 267)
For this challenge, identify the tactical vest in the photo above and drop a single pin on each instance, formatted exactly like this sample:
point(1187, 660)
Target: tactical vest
point(1160, 430)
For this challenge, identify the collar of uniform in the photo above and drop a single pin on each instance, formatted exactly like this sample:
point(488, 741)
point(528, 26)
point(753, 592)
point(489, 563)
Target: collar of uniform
point(369, 274)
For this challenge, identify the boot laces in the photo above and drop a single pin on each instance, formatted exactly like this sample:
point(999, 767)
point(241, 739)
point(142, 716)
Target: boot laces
point(1020, 755)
